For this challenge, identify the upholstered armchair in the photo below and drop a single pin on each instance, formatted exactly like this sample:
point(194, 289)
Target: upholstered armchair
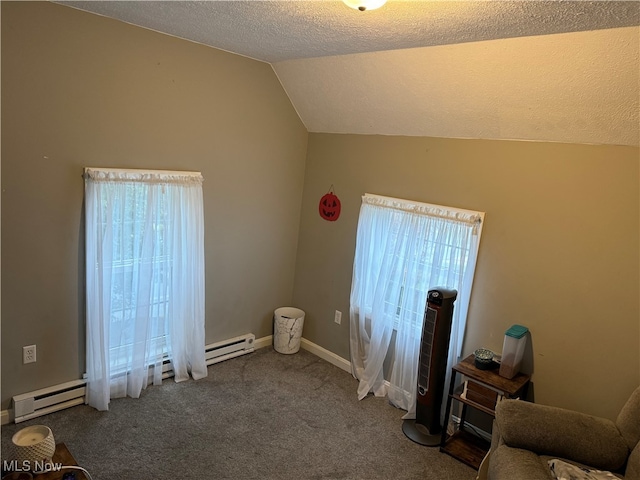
point(526, 436)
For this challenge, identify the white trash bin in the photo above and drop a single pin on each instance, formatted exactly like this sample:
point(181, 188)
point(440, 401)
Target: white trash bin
point(287, 329)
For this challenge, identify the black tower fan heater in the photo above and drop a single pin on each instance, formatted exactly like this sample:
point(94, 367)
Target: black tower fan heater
point(432, 367)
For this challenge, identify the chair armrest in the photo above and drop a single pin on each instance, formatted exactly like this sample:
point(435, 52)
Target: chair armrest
point(508, 463)
point(564, 433)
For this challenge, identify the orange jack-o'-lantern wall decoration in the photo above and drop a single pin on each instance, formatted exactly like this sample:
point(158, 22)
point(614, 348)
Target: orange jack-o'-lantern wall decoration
point(329, 206)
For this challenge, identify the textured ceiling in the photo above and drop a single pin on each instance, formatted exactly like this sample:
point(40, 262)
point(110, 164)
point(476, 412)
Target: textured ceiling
point(579, 87)
point(565, 71)
point(273, 31)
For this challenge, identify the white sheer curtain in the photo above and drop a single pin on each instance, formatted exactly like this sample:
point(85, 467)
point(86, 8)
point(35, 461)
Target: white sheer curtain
point(403, 249)
point(144, 279)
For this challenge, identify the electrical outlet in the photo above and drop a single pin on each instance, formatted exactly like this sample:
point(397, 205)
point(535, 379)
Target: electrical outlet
point(338, 317)
point(29, 354)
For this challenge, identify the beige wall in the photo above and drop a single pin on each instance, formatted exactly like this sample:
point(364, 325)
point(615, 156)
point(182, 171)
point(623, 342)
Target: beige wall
point(559, 249)
point(81, 90)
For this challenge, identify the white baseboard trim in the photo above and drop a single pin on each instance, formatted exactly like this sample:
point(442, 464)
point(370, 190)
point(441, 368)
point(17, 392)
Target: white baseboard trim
point(325, 354)
point(311, 347)
point(6, 417)
point(263, 342)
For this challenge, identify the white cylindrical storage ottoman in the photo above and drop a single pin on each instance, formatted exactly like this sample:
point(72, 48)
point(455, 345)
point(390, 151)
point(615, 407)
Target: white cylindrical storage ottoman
point(287, 329)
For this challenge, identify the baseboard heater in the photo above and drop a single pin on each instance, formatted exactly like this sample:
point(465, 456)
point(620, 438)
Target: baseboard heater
point(234, 347)
point(69, 394)
point(218, 352)
point(48, 400)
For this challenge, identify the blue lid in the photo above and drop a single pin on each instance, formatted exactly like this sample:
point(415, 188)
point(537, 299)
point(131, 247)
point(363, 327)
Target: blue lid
point(516, 331)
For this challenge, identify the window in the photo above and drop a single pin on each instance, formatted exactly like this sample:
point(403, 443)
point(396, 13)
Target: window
point(131, 263)
point(440, 256)
point(145, 279)
point(403, 249)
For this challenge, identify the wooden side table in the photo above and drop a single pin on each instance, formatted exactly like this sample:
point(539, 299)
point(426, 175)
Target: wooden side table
point(62, 455)
point(463, 445)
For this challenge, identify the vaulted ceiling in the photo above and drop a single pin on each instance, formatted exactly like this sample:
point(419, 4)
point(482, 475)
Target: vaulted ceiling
point(565, 71)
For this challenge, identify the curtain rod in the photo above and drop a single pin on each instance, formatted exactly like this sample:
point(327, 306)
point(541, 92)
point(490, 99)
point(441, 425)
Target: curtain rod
point(141, 170)
point(472, 216)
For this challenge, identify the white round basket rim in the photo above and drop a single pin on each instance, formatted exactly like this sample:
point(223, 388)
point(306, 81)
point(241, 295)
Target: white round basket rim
point(20, 434)
point(291, 312)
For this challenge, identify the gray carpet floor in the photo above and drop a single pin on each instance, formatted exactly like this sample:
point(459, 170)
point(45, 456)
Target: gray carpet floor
point(259, 416)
